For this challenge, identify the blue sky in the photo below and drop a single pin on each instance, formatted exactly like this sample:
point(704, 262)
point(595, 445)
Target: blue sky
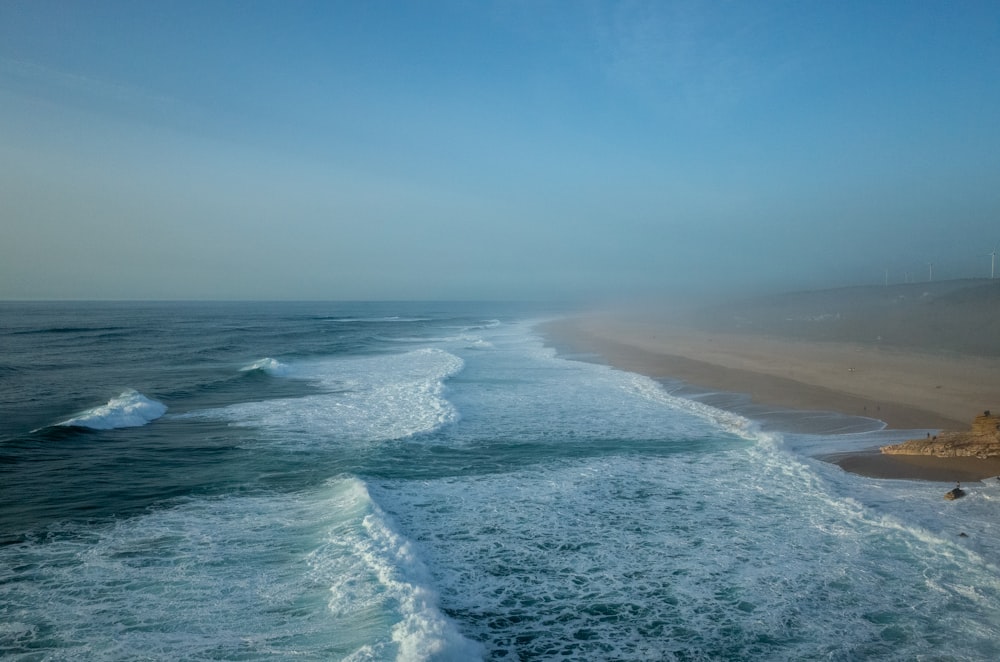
point(428, 150)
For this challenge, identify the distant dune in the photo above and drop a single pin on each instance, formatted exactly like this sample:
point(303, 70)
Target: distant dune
point(951, 316)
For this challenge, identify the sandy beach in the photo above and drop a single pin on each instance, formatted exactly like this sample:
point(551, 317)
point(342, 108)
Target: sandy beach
point(908, 390)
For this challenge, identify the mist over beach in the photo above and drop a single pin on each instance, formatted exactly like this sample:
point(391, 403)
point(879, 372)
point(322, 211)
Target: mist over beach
point(914, 356)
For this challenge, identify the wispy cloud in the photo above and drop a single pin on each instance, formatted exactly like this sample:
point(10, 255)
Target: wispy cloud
point(67, 88)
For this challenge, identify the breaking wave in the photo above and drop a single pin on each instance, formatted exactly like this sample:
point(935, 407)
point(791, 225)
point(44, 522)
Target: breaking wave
point(268, 365)
point(129, 410)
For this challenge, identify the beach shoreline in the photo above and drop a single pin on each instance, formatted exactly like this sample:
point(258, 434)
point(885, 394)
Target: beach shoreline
point(906, 390)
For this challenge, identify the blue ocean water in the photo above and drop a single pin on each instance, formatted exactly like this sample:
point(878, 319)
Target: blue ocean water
point(433, 482)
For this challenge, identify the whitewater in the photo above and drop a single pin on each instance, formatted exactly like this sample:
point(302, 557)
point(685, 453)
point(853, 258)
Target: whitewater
point(334, 481)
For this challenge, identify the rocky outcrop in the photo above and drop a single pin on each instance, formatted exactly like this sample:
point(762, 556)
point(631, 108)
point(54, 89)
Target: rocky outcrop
point(982, 440)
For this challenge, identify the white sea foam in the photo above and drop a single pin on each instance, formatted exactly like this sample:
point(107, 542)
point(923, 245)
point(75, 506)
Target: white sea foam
point(753, 552)
point(128, 410)
point(483, 325)
point(376, 320)
point(695, 556)
point(468, 341)
point(521, 384)
point(250, 577)
point(653, 390)
point(582, 513)
point(268, 365)
point(369, 399)
point(375, 570)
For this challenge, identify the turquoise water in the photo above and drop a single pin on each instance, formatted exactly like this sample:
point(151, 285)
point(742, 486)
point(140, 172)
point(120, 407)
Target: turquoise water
point(434, 482)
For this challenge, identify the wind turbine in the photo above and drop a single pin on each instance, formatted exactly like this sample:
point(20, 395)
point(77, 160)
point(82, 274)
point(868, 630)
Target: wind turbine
point(930, 271)
point(993, 260)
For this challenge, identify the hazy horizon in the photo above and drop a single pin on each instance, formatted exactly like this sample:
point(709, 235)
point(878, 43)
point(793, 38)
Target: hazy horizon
point(499, 151)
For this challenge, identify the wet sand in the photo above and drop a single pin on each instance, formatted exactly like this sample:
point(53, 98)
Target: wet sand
point(907, 390)
point(919, 467)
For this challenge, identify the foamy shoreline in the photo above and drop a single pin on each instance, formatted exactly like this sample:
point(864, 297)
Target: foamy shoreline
point(906, 390)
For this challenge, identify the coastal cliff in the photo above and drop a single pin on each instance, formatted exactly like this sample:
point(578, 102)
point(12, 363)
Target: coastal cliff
point(982, 441)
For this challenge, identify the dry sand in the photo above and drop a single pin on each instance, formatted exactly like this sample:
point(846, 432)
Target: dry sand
point(906, 389)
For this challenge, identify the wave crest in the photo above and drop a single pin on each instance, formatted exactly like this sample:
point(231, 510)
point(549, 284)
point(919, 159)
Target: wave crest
point(372, 567)
point(129, 410)
point(268, 365)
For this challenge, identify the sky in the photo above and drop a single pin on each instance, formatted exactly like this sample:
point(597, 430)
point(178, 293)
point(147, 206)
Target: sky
point(511, 149)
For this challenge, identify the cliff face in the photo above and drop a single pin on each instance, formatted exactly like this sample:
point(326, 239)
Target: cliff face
point(982, 440)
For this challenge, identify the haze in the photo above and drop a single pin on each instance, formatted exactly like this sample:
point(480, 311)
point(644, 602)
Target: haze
point(493, 150)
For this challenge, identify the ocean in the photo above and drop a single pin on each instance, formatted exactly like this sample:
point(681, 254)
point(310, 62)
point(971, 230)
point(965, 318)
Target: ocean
point(415, 481)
